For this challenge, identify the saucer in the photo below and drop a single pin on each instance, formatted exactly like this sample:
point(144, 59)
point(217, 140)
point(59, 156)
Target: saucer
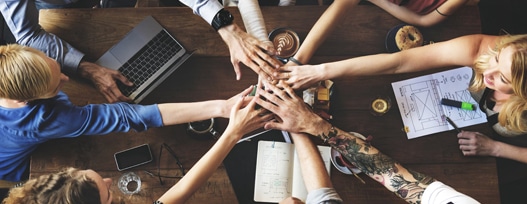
point(337, 164)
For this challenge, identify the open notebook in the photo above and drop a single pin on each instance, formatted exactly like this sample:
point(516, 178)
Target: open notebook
point(147, 55)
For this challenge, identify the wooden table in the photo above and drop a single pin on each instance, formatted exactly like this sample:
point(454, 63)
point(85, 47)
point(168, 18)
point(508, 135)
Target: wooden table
point(209, 75)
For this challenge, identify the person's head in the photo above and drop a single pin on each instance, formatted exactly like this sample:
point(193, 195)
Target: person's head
point(504, 69)
point(27, 74)
point(69, 186)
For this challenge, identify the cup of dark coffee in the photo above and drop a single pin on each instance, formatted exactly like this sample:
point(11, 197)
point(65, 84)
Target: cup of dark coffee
point(202, 129)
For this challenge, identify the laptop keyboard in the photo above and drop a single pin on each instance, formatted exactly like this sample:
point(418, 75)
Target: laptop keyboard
point(148, 60)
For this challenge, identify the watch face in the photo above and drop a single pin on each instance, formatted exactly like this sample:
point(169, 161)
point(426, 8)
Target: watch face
point(221, 19)
point(226, 17)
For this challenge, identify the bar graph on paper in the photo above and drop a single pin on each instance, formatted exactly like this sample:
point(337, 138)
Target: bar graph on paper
point(419, 100)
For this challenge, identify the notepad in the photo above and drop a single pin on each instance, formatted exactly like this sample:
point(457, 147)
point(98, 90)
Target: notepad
point(278, 172)
point(419, 102)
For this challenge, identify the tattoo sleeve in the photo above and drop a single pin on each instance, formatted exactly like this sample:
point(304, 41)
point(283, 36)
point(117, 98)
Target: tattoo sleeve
point(407, 184)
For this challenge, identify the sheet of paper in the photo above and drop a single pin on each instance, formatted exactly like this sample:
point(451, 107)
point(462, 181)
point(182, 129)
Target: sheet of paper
point(419, 100)
point(274, 168)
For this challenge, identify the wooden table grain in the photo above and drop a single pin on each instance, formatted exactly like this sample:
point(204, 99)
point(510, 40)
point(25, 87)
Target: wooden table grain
point(208, 74)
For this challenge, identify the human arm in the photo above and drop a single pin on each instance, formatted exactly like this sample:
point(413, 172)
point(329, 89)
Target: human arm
point(21, 17)
point(461, 51)
point(314, 173)
point(477, 144)
point(404, 14)
point(68, 120)
point(290, 109)
point(179, 113)
point(324, 26)
point(242, 121)
point(243, 47)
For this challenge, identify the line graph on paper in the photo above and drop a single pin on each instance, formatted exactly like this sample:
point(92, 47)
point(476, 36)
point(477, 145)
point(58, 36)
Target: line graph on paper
point(419, 102)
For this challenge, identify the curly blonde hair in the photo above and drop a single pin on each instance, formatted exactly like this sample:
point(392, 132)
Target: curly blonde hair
point(513, 111)
point(65, 187)
point(25, 75)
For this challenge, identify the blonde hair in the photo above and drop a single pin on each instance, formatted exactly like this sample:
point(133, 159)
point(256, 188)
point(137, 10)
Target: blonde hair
point(68, 186)
point(25, 75)
point(512, 113)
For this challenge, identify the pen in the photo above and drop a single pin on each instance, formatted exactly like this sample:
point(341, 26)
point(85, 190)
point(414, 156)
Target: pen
point(458, 104)
point(453, 124)
point(248, 138)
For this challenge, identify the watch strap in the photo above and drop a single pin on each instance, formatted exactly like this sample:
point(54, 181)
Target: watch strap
point(222, 18)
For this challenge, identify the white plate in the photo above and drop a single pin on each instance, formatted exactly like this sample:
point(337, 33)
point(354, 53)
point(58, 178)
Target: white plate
point(334, 158)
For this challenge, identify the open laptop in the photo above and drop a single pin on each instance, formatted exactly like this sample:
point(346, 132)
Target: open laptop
point(147, 55)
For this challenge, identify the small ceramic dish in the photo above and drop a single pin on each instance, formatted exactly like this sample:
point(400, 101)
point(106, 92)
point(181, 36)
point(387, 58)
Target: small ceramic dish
point(338, 163)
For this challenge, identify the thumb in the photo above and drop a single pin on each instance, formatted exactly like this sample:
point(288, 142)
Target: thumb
point(272, 125)
point(237, 70)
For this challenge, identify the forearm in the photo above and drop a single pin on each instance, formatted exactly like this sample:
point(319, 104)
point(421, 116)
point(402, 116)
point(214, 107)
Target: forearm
point(324, 27)
point(201, 171)
point(400, 12)
point(507, 151)
point(179, 113)
point(461, 51)
point(313, 170)
point(253, 19)
point(21, 16)
point(407, 184)
point(359, 66)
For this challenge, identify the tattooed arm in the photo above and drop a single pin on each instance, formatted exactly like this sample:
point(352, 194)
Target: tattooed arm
point(293, 115)
point(408, 185)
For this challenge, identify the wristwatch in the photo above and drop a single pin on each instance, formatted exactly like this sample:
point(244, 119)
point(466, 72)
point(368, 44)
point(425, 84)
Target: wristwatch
point(222, 18)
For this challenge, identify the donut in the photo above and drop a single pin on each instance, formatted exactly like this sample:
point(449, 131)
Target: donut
point(408, 37)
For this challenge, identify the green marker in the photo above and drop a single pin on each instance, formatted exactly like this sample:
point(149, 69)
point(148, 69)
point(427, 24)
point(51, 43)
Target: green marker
point(253, 92)
point(458, 104)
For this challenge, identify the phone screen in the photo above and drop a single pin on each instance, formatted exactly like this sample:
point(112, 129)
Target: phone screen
point(133, 157)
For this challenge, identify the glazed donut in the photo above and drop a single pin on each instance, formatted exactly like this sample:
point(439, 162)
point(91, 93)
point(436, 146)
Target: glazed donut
point(408, 37)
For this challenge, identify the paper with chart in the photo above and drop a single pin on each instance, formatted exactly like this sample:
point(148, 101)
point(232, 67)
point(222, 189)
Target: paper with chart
point(278, 172)
point(419, 100)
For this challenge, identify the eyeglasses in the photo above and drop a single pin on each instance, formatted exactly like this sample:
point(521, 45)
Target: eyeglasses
point(171, 152)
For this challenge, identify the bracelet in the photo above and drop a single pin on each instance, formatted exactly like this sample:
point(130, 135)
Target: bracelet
point(441, 13)
point(292, 59)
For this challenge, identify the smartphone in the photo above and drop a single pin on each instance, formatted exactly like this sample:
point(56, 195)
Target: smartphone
point(133, 157)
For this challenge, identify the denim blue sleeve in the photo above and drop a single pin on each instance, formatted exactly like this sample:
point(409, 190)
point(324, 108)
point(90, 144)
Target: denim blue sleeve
point(99, 119)
point(207, 9)
point(21, 17)
point(23, 129)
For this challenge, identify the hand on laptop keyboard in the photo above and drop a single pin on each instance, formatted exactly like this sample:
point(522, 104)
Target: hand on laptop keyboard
point(104, 80)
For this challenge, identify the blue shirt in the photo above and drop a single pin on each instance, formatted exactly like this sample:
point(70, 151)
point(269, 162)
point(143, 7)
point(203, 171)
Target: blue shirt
point(23, 129)
point(21, 16)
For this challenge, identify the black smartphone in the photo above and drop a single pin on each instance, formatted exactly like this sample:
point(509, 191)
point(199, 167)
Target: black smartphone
point(133, 157)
